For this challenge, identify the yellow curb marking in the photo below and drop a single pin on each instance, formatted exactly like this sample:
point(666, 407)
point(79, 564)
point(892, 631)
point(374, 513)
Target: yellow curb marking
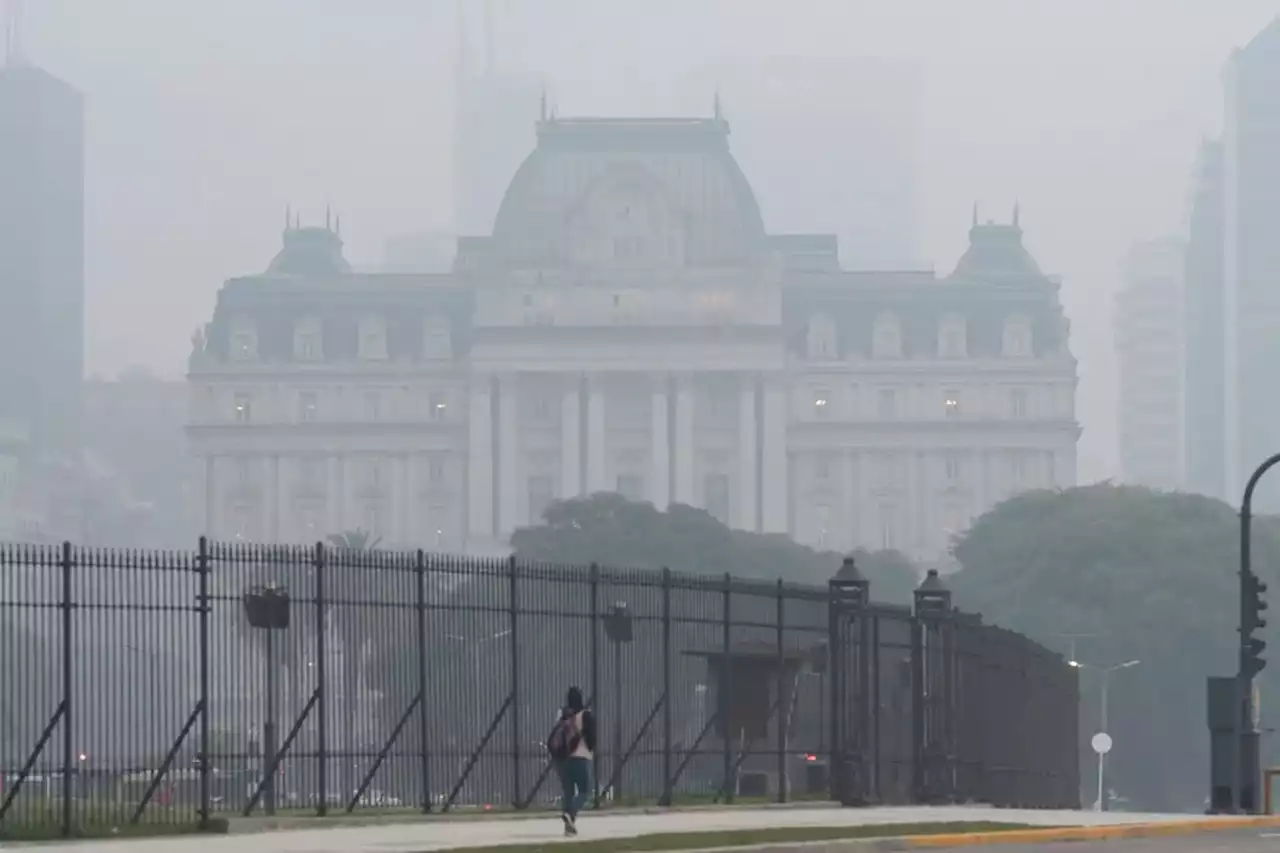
point(1092, 833)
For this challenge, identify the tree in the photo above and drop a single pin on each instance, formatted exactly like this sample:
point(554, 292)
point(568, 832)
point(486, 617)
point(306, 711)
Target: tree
point(608, 529)
point(1123, 573)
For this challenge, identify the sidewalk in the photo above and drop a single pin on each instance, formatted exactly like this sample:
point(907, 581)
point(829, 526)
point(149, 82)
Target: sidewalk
point(428, 835)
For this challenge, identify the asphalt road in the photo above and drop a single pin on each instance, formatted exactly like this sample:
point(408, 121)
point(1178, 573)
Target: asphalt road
point(1251, 841)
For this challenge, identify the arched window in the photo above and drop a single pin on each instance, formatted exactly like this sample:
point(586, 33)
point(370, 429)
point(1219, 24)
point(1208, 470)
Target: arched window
point(886, 337)
point(372, 345)
point(1018, 342)
point(244, 340)
point(308, 339)
point(952, 337)
point(822, 340)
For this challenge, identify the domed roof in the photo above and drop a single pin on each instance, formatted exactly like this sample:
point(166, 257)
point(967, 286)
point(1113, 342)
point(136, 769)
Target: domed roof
point(310, 252)
point(996, 251)
point(666, 182)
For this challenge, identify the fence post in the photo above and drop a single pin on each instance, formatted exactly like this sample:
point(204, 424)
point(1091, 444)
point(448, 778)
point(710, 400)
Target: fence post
point(322, 705)
point(68, 714)
point(666, 686)
point(933, 756)
point(202, 569)
point(784, 707)
point(424, 719)
point(513, 613)
point(726, 689)
point(594, 581)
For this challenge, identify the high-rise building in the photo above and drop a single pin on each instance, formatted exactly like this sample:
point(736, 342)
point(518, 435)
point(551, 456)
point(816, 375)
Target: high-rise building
point(41, 254)
point(829, 145)
point(1204, 348)
point(1148, 337)
point(1251, 263)
point(494, 113)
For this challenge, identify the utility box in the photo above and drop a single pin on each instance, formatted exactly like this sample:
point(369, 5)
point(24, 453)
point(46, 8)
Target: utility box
point(1223, 707)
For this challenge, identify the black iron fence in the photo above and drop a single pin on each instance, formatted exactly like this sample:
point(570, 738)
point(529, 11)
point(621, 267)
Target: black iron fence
point(178, 686)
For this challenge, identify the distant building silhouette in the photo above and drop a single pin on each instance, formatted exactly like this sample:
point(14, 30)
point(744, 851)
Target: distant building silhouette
point(1251, 261)
point(1204, 380)
point(41, 256)
point(1149, 350)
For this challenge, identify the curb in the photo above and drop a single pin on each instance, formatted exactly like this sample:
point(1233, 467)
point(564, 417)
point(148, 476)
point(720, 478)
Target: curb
point(1088, 833)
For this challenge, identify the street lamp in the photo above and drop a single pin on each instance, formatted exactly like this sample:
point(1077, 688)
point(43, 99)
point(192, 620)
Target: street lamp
point(267, 608)
point(1102, 745)
point(618, 630)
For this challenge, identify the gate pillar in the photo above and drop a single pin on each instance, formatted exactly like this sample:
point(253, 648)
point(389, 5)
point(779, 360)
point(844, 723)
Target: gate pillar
point(933, 680)
point(849, 645)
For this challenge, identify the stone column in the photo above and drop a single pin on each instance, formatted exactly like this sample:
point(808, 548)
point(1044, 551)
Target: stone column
point(659, 446)
point(683, 449)
point(571, 438)
point(597, 473)
point(774, 482)
point(508, 454)
point(480, 460)
point(333, 497)
point(748, 479)
point(273, 499)
point(847, 519)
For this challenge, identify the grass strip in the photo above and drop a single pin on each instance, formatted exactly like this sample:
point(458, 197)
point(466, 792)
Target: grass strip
point(665, 841)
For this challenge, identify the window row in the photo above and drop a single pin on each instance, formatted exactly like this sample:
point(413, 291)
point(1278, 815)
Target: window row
point(892, 469)
point(370, 406)
point(310, 335)
point(823, 339)
point(824, 403)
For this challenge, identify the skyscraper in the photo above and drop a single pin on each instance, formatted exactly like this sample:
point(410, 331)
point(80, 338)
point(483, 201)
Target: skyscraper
point(494, 114)
point(828, 143)
point(1251, 262)
point(41, 253)
point(1204, 348)
point(1149, 349)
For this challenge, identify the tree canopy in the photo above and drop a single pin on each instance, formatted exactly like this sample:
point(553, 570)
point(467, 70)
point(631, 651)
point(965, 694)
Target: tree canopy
point(610, 530)
point(1118, 574)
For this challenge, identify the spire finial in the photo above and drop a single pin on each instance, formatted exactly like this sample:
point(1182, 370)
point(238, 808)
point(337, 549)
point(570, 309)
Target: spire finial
point(13, 48)
point(297, 220)
point(975, 214)
point(542, 105)
point(337, 226)
point(716, 106)
point(1016, 210)
point(328, 218)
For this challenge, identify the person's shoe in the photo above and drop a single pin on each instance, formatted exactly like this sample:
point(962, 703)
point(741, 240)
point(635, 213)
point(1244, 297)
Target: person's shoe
point(569, 829)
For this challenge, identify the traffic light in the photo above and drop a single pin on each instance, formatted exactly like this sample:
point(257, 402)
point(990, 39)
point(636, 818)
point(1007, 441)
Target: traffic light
point(1251, 621)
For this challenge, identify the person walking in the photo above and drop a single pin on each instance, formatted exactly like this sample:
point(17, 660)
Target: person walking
point(572, 746)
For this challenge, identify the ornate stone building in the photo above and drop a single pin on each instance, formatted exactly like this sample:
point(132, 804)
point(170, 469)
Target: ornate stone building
point(630, 326)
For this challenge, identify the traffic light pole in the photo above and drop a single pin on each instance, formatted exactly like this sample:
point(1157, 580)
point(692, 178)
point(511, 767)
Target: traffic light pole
point(1250, 661)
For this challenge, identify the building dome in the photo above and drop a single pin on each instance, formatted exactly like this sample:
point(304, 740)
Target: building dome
point(310, 252)
point(996, 251)
point(662, 190)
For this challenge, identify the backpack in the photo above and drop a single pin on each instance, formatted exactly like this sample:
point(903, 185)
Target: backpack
point(564, 738)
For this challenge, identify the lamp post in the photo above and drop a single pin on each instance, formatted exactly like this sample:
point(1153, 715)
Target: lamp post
point(618, 630)
point(267, 608)
point(1101, 805)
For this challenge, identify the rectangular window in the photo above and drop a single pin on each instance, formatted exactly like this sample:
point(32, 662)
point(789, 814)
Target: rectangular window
point(823, 463)
point(437, 407)
point(308, 346)
point(951, 467)
point(242, 408)
point(887, 404)
point(631, 486)
point(716, 496)
point(1018, 403)
point(372, 406)
point(242, 346)
point(888, 527)
point(951, 403)
point(540, 497)
point(435, 469)
point(821, 402)
point(307, 406)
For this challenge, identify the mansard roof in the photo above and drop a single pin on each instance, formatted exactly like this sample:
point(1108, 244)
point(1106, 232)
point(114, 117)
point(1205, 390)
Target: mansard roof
point(585, 172)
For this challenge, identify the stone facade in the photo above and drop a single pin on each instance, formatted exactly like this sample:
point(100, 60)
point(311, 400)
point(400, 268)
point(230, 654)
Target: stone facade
point(630, 326)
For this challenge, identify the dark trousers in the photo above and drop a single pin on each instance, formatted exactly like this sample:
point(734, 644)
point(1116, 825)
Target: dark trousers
point(575, 777)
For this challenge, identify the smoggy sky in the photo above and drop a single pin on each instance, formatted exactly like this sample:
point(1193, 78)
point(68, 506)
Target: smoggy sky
point(206, 117)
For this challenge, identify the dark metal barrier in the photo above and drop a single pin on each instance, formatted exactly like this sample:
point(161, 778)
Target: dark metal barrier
point(236, 679)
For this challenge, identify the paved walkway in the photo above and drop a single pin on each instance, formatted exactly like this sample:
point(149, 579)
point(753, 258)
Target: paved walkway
point(431, 835)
